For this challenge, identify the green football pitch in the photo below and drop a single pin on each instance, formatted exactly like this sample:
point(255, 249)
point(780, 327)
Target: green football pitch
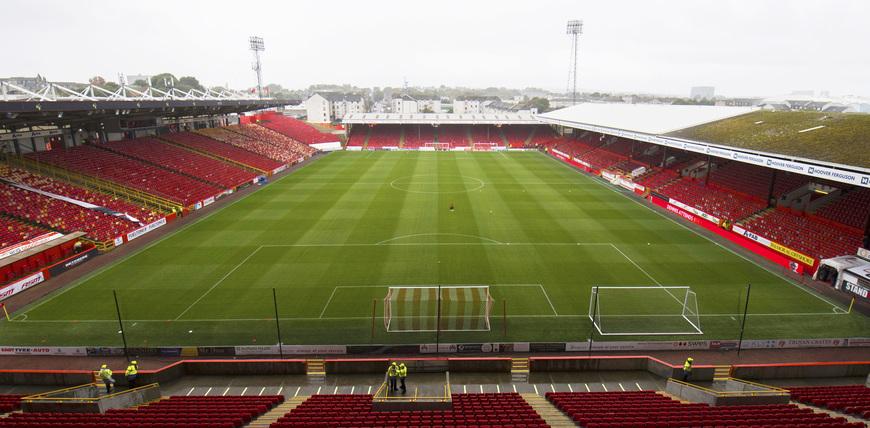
point(321, 246)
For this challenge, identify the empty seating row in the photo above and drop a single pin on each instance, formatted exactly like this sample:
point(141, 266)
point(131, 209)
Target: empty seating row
point(804, 234)
point(648, 409)
point(60, 215)
point(173, 412)
point(486, 134)
point(223, 150)
point(416, 136)
point(274, 138)
point(457, 135)
point(298, 130)
point(12, 232)
point(129, 172)
point(850, 209)
point(68, 190)
point(184, 161)
point(224, 134)
point(346, 410)
point(10, 402)
point(852, 399)
point(381, 136)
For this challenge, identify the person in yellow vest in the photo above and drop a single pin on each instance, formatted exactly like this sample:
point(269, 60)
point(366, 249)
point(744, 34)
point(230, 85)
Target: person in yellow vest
point(132, 371)
point(403, 373)
point(687, 369)
point(106, 375)
point(393, 373)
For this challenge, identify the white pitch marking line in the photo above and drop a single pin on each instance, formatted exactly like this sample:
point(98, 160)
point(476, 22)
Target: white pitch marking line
point(502, 153)
point(776, 274)
point(548, 300)
point(327, 303)
point(218, 283)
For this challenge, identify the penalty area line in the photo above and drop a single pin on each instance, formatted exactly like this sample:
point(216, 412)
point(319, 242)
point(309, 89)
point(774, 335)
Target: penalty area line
point(219, 282)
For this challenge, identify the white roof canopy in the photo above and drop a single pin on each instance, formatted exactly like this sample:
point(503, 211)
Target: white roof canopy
point(441, 119)
point(653, 119)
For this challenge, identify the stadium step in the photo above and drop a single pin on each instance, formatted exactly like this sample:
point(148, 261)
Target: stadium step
point(548, 412)
point(721, 372)
point(278, 411)
point(519, 369)
point(831, 413)
point(315, 367)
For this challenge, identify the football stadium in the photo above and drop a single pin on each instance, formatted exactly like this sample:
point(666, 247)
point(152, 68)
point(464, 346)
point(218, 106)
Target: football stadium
point(203, 259)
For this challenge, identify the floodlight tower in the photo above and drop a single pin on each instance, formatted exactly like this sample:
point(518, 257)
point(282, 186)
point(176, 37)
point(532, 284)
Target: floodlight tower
point(257, 46)
point(575, 29)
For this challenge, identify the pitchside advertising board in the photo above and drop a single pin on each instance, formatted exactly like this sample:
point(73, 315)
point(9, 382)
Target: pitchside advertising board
point(445, 348)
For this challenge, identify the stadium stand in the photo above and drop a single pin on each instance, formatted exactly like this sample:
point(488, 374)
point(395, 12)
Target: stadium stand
point(68, 190)
point(457, 135)
point(10, 402)
point(13, 232)
point(642, 409)
point(222, 150)
point(60, 215)
point(721, 203)
point(542, 134)
point(850, 399)
point(494, 410)
point(274, 138)
point(183, 161)
point(753, 180)
point(850, 209)
point(298, 130)
point(226, 135)
point(416, 136)
point(358, 137)
point(656, 178)
point(128, 172)
point(805, 234)
point(486, 134)
point(384, 135)
point(231, 411)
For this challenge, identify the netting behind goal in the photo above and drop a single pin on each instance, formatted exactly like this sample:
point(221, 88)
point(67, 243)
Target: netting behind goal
point(644, 311)
point(416, 309)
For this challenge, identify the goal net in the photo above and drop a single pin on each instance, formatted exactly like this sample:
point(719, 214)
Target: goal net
point(416, 308)
point(439, 146)
point(630, 311)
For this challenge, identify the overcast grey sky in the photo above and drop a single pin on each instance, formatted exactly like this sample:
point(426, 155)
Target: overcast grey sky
point(752, 47)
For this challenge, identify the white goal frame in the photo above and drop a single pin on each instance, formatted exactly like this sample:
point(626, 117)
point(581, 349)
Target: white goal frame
point(400, 315)
point(489, 146)
point(683, 296)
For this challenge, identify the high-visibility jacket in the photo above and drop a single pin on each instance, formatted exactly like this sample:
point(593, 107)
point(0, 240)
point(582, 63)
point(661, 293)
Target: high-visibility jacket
point(393, 371)
point(403, 371)
point(105, 374)
point(131, 370)
point(687, 367)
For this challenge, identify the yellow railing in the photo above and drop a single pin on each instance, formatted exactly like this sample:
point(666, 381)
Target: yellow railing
point(774, 391)
point(91, 182)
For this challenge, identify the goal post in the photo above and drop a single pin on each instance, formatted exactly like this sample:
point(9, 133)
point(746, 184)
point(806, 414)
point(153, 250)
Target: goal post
point(635, 311)
point(439, 146)
point(415, 309)
point(485, 147)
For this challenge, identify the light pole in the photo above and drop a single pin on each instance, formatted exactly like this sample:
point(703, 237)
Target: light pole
point(257, 46)
point(575, 29)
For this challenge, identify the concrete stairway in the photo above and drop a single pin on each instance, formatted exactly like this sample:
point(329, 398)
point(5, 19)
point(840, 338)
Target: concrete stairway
point(278, 411)
point(550, 413)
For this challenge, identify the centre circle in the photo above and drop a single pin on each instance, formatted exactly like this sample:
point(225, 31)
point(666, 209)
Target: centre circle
point(437, 183)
